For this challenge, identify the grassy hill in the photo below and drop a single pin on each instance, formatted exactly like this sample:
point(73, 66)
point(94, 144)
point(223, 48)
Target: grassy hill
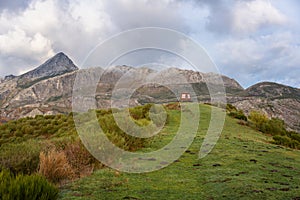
point(243, 165)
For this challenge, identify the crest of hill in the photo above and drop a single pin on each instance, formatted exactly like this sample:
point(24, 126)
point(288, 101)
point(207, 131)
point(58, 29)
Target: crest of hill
point(273, 91)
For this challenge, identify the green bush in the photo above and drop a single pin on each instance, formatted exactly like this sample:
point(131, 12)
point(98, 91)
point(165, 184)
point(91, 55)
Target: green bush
point(117, 136)
point(286, 141)
point(294, 135)
point(140, 112)
point(258, 120)
point(230, 108)
point(239, 114)
point(20, 158)
point(274, 126)
point(25, 128)
point(24, 187)
point(140, 115)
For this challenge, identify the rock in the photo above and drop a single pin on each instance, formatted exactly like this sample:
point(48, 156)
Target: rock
point(34, 112)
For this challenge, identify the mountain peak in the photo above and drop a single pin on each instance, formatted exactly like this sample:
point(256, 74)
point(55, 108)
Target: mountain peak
point(57, 65)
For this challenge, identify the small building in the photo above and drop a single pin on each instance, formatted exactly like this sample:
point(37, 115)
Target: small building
point(185, 97)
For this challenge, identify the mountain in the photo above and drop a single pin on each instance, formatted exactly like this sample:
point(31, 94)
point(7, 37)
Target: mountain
point(273, 91)
point(275, 100)
point(48, 90)
point(57, 65)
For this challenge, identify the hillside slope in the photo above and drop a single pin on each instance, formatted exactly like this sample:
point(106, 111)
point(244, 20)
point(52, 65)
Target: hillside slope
point(243, 165)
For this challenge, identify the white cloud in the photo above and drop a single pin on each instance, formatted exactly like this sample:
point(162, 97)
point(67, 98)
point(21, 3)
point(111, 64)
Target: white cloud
point(20, 44)
point(246, 38)
point(248, 16)
point(75, 27)
point(267, 57)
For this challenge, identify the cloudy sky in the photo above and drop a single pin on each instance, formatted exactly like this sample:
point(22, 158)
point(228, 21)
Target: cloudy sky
point(249, 40)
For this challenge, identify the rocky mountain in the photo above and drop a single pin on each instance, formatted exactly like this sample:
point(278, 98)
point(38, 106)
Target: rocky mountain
point(273, 99)
point(57, 65)
point(273, 91)
point(48, 90)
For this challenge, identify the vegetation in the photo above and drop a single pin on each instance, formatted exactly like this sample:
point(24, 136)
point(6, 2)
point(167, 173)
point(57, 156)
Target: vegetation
point(20, 157)
point(55, 166)
point(50, 145)
point(235, 113)
point(275, 127)
point(39, 127)
point(244, 164)
point(24, 187)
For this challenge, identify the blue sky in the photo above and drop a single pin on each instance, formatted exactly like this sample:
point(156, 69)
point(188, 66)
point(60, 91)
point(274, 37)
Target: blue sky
point(249, 40)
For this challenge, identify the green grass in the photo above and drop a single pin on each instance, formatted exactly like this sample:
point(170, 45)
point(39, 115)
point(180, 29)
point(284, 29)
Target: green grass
point(243, 165)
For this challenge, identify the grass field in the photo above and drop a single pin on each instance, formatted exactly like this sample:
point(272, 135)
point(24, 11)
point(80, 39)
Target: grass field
point(243, 165)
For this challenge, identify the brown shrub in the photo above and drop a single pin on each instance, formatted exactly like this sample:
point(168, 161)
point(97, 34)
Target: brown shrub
point(54, 166)
point(173, 106)
point(80, 158)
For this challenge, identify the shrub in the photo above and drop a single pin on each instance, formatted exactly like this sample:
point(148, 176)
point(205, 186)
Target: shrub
point(54, 166)
point(80, 158)
point(230, 108)
point(274, 126)
point(26, 187)
point(173, 106)
point(118, 136)
point(238, 114)
point(294, 136)
point(286, 141)
point(20, 158)
point(258, 119)
point(140, 112)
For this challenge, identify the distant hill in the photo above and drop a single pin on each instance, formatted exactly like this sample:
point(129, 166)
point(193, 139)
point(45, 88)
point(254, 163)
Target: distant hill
point(48, 90)
point(273, 91)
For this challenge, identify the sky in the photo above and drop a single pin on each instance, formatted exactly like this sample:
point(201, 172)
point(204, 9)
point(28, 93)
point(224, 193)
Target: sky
point(248, 40)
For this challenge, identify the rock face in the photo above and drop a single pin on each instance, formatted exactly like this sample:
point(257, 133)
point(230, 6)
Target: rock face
point(273, 99)
point(48, 89)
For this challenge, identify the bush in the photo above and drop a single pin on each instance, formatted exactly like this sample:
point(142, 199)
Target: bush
point(258, 119)
point(231, 108)
point(140, 112)
point(173, 106)
point(294, 136)
point(80, 158)
point(239, 114)
point(54, 166)
point(274, 126)
point(26, 187)
point(118, 136)
point(286, 141)
point(20, 158)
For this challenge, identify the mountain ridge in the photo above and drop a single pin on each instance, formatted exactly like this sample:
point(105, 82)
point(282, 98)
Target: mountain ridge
point(48, 89)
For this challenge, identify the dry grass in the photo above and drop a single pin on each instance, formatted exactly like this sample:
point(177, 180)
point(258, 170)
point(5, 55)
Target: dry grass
point(54, 166)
